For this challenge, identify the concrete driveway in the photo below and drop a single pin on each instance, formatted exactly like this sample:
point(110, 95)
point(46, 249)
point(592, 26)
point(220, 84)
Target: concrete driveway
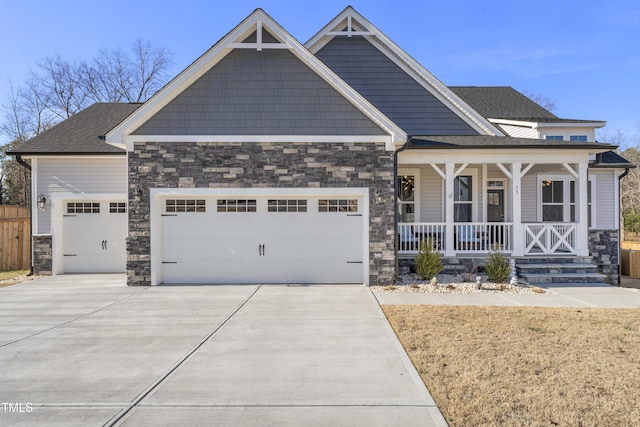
point(88, 350)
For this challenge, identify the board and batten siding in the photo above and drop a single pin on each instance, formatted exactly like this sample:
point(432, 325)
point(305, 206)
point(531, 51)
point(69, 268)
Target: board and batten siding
point(77, 176)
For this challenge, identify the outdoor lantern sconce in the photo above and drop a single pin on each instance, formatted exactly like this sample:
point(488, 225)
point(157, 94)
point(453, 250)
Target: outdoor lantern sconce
point(137, 194)
point(42, 201)
point(378, 196)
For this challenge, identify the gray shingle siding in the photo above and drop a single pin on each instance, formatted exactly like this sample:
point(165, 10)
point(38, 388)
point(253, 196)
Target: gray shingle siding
point(390, 89)
point(260, 93)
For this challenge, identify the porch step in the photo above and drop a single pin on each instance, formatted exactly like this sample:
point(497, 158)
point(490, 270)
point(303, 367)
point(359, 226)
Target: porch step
point(548, 270)
point(547, 278)
point(526, 269)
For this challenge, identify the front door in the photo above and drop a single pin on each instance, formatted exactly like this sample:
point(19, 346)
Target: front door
point(495, 205)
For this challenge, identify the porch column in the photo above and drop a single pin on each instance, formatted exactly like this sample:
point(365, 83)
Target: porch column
point(582, 217)
point(448, 211)
point(516, 197)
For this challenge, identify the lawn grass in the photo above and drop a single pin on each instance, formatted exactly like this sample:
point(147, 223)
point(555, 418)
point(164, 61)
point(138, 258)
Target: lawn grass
point(8, 278)
point(525, 366)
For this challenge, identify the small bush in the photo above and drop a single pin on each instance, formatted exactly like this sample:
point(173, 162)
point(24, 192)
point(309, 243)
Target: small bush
point(428, 262)
point(498, 267)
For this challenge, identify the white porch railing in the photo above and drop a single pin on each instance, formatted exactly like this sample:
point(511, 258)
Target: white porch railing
point(467, 237)
point(410, 234)
point(550, 238)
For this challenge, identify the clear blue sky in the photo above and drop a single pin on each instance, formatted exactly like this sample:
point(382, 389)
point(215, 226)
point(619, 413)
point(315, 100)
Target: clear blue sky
point(584, 54)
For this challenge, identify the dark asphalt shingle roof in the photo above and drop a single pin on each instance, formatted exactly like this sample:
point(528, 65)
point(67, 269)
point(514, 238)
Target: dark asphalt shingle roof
point(80, 133)
point(487, 141)
point(611, 159)
point(504, 102)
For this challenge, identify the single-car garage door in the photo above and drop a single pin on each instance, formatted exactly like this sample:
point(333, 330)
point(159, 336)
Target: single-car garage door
point(94, 234)
point(262, 240)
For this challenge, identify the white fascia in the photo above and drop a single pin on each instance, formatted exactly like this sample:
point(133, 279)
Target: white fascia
point(118, 135)
point(409, 65)
point(536, 125)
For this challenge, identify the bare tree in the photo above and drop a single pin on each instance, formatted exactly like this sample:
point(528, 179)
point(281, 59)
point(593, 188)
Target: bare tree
point(59, 88)
point(540, 99)
point(116, 76)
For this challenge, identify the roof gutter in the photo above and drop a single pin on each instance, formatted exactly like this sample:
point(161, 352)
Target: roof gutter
point(28, 167)
point(396, 244)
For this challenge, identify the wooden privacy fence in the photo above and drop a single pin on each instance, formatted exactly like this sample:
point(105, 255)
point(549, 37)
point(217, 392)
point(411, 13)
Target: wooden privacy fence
point(14, 238)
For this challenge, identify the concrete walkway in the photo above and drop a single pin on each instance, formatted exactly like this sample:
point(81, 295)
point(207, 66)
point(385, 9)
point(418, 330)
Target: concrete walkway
point(87, 350)
point(562, 295)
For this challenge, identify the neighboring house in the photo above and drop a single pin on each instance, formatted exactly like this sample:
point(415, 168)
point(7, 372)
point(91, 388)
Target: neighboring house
point(270, 161)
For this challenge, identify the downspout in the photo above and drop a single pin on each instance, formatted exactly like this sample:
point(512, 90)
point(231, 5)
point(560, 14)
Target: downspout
point(622, 175)
point(28, 167)
point(395, 202)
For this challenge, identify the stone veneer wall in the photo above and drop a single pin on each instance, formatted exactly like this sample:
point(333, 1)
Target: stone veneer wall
point(604, 248)
point(42, 255)
point(262, 165)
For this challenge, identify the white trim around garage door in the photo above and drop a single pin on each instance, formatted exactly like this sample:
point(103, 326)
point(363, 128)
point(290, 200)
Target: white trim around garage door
point(58, 203)
point(159, 195)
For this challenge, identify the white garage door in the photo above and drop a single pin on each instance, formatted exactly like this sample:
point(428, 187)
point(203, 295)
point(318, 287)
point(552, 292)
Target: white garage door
point(262, 240)
point(94, 234)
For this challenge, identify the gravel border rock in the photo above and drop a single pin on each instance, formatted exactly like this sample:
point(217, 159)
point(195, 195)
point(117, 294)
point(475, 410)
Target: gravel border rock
point(448, 284)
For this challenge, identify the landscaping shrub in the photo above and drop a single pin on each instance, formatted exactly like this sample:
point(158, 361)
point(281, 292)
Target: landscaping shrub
point(498, 267)
point(428, 262)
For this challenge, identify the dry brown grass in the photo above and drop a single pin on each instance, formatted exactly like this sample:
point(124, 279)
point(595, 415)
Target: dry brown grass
point(8, 278)
point(525, 366)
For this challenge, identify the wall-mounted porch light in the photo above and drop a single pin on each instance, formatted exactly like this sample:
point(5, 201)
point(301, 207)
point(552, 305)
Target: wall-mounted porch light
point(42, 202)
point(378, 196)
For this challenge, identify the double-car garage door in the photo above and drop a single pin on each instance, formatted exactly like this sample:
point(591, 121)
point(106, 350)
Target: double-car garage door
point(267, 239)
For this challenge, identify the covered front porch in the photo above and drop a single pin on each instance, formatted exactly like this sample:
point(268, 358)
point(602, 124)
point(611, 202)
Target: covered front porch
point(469, 202)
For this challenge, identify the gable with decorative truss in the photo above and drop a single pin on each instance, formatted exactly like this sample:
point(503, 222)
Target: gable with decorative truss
point(393, 81)
point(258, 83)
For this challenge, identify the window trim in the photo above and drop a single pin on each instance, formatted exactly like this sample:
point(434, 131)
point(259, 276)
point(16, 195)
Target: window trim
point(566, 202)
point(473, 173)
point(415, 172)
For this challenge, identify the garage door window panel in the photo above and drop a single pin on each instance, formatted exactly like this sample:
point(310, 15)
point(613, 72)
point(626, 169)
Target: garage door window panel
point(236, 205)
point(83, 207)
point(117, 207)
point(338, 205)
point(286, 205)
point(185, 205)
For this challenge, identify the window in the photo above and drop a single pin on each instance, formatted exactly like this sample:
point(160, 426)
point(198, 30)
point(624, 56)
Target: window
point(337, 205)
point(463, 198)
point(559, 200)
point(117, 207)
point(185, 205)
point(83, 207)
point(554, 138)
point(406, 198)
point(552, 200)
point(280, 205)
point(237, 205)
point(578, 138)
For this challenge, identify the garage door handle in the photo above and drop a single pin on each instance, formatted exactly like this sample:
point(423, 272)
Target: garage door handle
point(261, 250)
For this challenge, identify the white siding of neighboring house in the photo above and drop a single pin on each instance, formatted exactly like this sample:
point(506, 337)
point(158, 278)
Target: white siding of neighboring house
point(67, 175)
